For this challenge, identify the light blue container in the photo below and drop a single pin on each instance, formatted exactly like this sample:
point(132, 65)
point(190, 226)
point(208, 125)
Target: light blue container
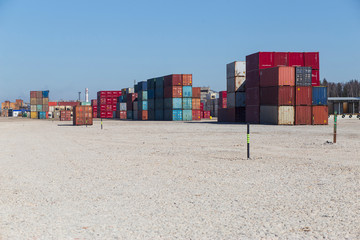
point(159, 92)
point(38, 108)
point(151, 94)
point(143, 96)
point(173, 103)
point(173, 115)
point(41, 115)
point(85, 103)
point(129, 115)
point(187, 103)
point(151, 104)
point(159, 115)
point(319, 96)
point(187, 91)
point(187, 115)
point(159, 104)
point(142, 105)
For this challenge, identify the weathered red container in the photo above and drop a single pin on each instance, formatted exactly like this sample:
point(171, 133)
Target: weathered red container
point(252, 79)
point(109, 114)
point(223, 94)
point(187, 79)
point(173, 80)
point(143, 115)
point(206, 114)
point(122, 115)
point(201, 106)
point(312, 60)
point(296, 59)
point(82, 115)
point(253, 96)
point(302, 115)
point(196, 92)
point(259, 60)
point(303, 96)
point(319, 115)
point(102, 101)
point(196, 103)
point(315, 78)
point(173, 92)
point(222, 103)
point(277, 76)
point(94, 102)
point(252, 114)
point(277, 96)
point(196, 115)
point(65, 115)
point(33, 94)
point(281, 59)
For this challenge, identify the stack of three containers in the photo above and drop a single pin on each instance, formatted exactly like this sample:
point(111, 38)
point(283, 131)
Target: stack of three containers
point(235, 85)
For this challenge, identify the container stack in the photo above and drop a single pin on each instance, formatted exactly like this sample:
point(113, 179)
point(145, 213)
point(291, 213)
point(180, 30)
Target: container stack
point(94, 105)
point(151, 98)
point(159, 98)
point(173, 100)
point(196, 109)
point(303, 95)
point(82, 115)
point(187, 97)
point(107, 101)
point(130, 98)
point(142, 101)
point(39, 107)
point(235, 85)
point(319, 109)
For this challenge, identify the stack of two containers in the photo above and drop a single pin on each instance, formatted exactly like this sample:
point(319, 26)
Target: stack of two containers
point(94, 105)
point(39, 107)
point(141, 110)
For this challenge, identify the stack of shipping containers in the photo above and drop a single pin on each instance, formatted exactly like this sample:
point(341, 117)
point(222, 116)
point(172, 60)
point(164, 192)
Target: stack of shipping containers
point(303, 95)
point(187, 97)
point(235, 85)
point(82, 115)
point(222, 115)
point(319, 109)
point(94, 105)
point(130, 98)
point(65, 115)
point(159, 98)
point(39, 107)
point(151, 98)
point(107, 101)
point(173, 98)
point(142, 101)
point(196, 108)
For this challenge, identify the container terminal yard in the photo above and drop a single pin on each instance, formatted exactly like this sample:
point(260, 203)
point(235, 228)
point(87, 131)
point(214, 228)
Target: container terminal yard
point(272, 154)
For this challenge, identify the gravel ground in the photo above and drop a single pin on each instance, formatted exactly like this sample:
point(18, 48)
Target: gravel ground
point(175, 180)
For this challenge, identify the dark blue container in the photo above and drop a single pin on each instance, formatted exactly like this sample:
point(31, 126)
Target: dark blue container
point(159, 93)
point(319, 96)
point(187, 103)
point(159, 82)
point(151, 83)
point(173, 115)
point(159, 104)
point(143, 95)
point(142, 86)
point(121, 99)
point(173, 103)
point(129, 114)
point(151, 104)
point(45, 94)
point(151, 93)
point(187, 91)
point(136, 88)
point(159, 114)
point(114, 114)
point(142, 105)
point(187, 115)
point(151, 114)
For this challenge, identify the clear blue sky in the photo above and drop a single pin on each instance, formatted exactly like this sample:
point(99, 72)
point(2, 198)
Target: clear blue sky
point(67, 45)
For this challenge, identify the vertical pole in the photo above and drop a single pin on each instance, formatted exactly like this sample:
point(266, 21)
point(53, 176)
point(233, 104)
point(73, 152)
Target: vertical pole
point(335, 125)
point(248, 141)
point(101, 124)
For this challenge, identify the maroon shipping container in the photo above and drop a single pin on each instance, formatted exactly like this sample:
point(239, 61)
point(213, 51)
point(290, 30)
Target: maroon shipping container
point(196, 114)
point(296, 59)
point(281, 59)
point(319, 115)
point(173, 92)
point(311, 59)
point(252, 79)
point(277, 76)
point(206, 114)
point(196, 92)
point(72, 104)
point(252, 114)
point(315, 78)
point(201, 106)
point(226, 115)
point(277, 96)
point(303, 96)
point(173, 80)
point(240, 114)
point(253, 96)
point(222, 103)
point(259, 60)
point(94, 102)
point(303, 115)
point(223, 94)
point(187, 79)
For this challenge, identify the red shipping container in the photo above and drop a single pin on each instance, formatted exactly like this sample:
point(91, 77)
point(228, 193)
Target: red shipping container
point(72, 104)
point(277, 76)
point(143, 115)
point(114, 100)
point(173, 92)
point(173, 80)
point(281, 59)
point(109, 114)
point(131, 97)
point(252, 114)
point(259, 60)
point(103, 114)
point(102, 101)
point(312, 60)
point(109, 108)
point(252, 79)
point(296, 59)
point(303, 115)
point(223, 94)
point(319, 115)
point(187, 79)
point(303, 96)
point(253, 96)
point(196, 115)
point(196, 92)
point(33, 94)
point(201, 106)
point(122, 114)
point(222, 103)
point(315, 78)
point(277, 96)
point(206, 114)
point(201, 114)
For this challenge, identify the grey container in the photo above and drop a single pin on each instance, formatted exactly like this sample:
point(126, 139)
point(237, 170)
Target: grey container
point(303, 76)
point(240, 99)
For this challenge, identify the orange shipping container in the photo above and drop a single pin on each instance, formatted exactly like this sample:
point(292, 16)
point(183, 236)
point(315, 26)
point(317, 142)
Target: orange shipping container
point(196, 92)
point(143, 115)
point(187, 79)
point(82, 115)
point(196, 103)
point(278, 76)
point(173, 92)
point(319, 115)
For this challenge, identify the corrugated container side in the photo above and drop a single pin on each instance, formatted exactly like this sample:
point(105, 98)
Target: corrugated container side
point(280, 95)
point(303, 96)
point(303, 115)
point(259, 60)
point(187, 79)
point(235, 84)
point(296, 59)
point(159, 114)
point(187, 91)
point(159, 103)
point(319, 96)
point(173, 103)
point(278, 115)
point(281, 59)
point(312, 60)
point(231, 100)
point(196, 92)
point(319, 115)
point(315, 78)
point(173, 80)
point(196, 103)
point(196, 115)
point(252, 79)
point(278, 76)
point(235, 69)
point(187, 115)
point(186, 104)
point(240, 114)
point(173, 92)
point(252, 97)
point(240, 99)
point(252, 114)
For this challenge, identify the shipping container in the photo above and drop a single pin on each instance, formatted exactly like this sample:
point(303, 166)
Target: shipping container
point(187, 115)
point(39, 108)
point(280, 95)
point(296, 59)
point(187, 91)
point(231, 100)
point(252, 97)
point(34, 115)
point(33, 94)
point(186, 104)
point(173, 92)
point(252, 114)
point(187, 79)
point(45, 94)
point(173, 80)
point(196, 115)
point(142, 86)
point(135, 106)
point(142, 106)
point(151, 114)
point(259, 60)
point(195, 103)
point(151, 94)
point(235, 69)
point(172, 103)
point(159, 103)
point(252, 79)
point(240, 114)
point(129, 115)
point(235, 84)
point(159, 82)
point(278, 76)
point(226, 115)
point(135, 115)
point(303, 96)
point(122, 106)
point(319, 115)
point(315, 78)
point(206, 114)
point(82, 115)
point(172, 115)
point(302, 115)
point(159, 93)
point(312, 60)
point(319, 96)
point(151, 83)
point(143, 115)
point(143, 95)
point(281, 59)
point(303, 76)
point(240, 99)
point(151, 104)
point(223, 102)
point(159, 114)
point(278, 115)
point(196, 92)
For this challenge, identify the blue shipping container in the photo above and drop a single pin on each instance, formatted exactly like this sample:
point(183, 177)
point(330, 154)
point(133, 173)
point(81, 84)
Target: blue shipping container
point(159, 104)
point(187, 91)
point(187, 115)
point(159, 82)
point(151, 94)
point(151, 104)
point(45, 94)
point(159, 93)
point(173, 115)
point(142, 86)
point(151, 83)
point(142, 105)
point(159, 114)
point(173, 103)
point(187, 103)
point(319, 96)
point(135, 115)
point(151, 114)
point(41, 115)
point(129, 115)
point(136, 88)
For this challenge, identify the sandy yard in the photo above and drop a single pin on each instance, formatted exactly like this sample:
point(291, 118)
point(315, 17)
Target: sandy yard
point(175, 180)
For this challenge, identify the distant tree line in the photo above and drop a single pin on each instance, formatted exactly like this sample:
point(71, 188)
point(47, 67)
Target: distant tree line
point(347, 89)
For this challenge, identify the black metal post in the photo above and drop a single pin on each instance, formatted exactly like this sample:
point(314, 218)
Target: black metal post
point(248, 141)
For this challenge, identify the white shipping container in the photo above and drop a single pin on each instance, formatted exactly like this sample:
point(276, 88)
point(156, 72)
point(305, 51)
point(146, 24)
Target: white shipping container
point(33, 108)
point(278, 115)
point(16, 113)
point(51, 108)
point(236, 69)
point(231, 100)
point(130, 90)
point(240, 99)
point(235, 84)
point(123, 106)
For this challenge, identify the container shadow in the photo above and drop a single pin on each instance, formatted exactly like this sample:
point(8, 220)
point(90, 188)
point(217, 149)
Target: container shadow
point(219, 123)
point(65, 125)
